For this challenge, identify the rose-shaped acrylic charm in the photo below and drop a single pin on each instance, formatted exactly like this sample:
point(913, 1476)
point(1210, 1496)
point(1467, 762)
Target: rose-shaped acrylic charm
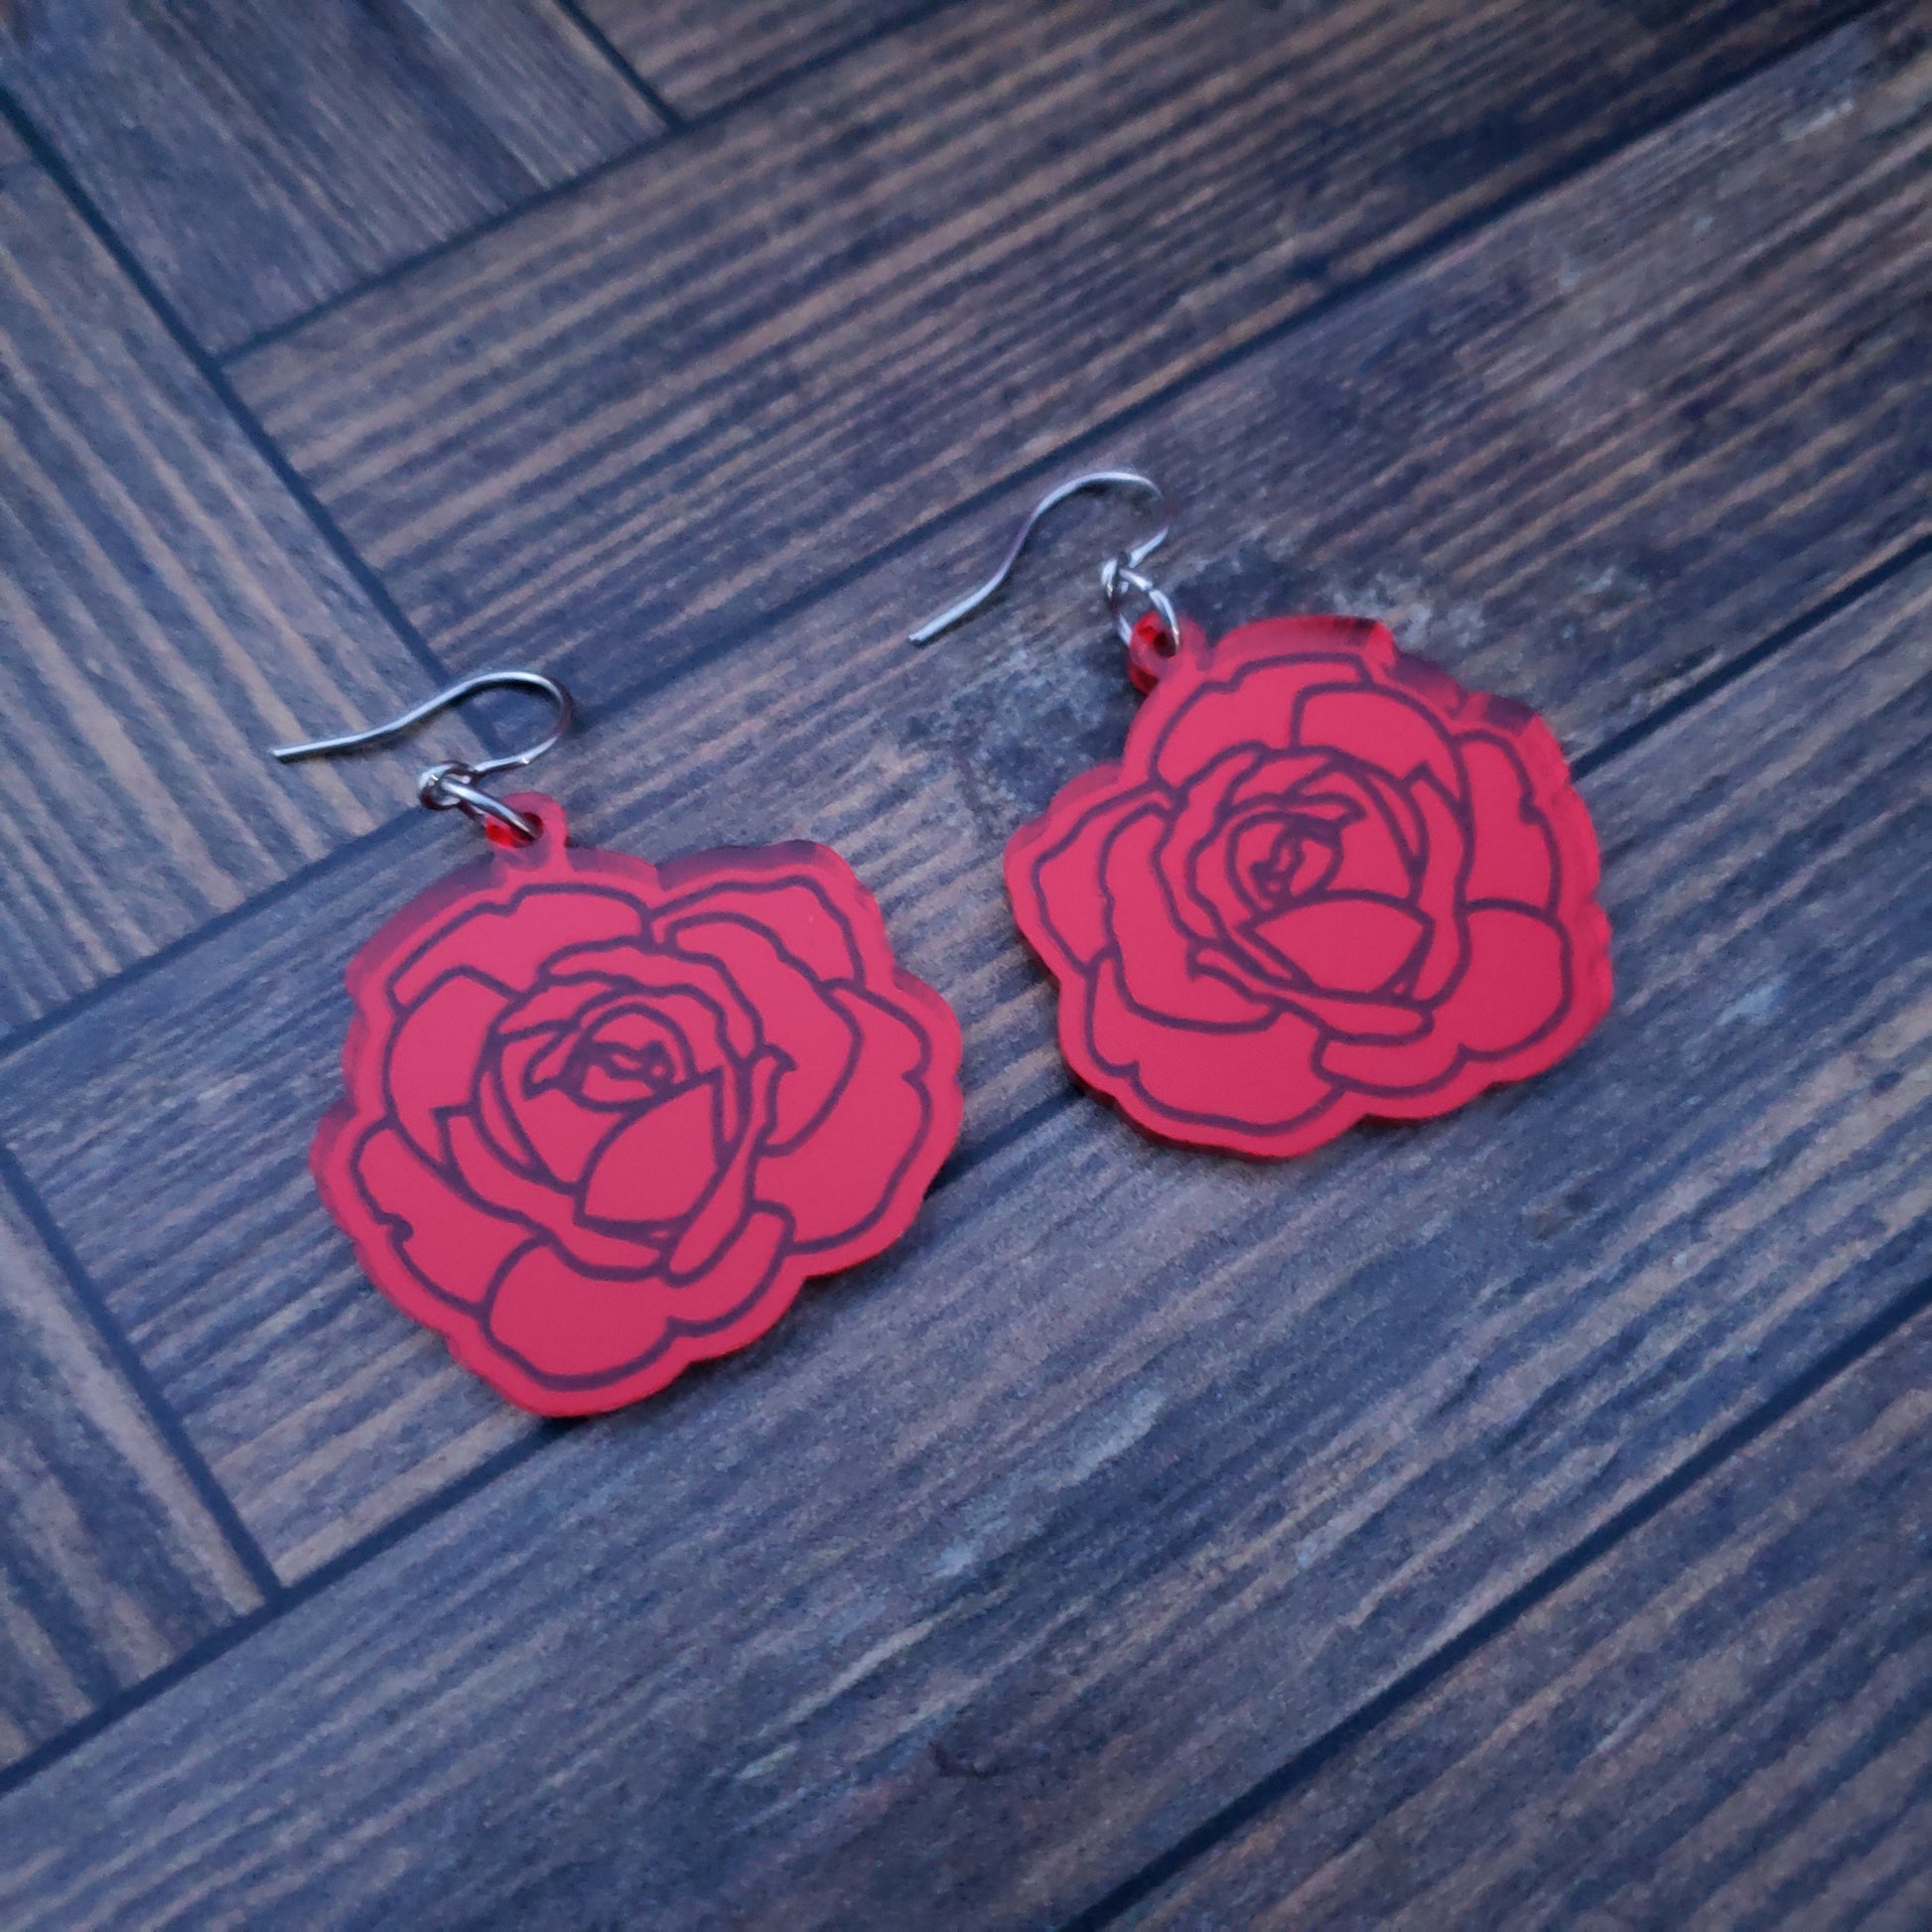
point(1323, 881)
point(604, 1118)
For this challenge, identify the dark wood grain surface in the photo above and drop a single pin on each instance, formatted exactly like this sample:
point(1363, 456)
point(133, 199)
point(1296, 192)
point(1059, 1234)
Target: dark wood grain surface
point(118, 1554)
point(259, 158)
point(677, 46)
point(1735, 1705)
point(1490, 1523)
point(971, 243)
point(168, 610)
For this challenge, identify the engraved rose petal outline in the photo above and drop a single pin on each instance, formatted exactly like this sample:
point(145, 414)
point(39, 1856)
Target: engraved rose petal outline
point(1064, 872)
point(702, 1314)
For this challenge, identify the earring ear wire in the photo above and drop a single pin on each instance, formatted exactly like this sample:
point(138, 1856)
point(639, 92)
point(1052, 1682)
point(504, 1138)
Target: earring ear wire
point(453, 784)
point(1118, 574)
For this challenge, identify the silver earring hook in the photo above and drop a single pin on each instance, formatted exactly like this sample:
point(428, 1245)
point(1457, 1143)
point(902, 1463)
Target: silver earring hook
point(443, 787)
point(1118, 574)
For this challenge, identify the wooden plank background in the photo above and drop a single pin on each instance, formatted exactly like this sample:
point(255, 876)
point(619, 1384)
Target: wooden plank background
point(1726, 1722)
point(1495, 1522)
point(258, 160)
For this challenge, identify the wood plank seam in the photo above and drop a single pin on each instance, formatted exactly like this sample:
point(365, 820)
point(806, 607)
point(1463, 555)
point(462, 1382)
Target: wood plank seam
point(48, 158)
point(135, 1373)
point(1413, 1684)
point(133, 973)
point(763, 90)
point(449, 245)
point(169, 612)
point(213, 368)
point(1271, 1749)
point(1075, 448)
point(289, 1596)
point(677, 125)
point(310, 147)
point(808, 600)
point(1494, 1622)
point(596, 38)
point(1767, 646)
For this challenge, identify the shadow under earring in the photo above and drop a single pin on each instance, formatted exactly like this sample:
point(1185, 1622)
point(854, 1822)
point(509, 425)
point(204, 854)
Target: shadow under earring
point(604, 1118)
point(1323, 881)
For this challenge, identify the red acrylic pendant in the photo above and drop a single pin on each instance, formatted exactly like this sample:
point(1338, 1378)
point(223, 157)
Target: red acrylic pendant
point(604, 1118)
point(1324, 882)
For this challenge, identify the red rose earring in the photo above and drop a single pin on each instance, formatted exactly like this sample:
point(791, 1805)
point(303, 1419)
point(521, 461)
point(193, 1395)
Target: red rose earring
point(1323, 881)
point(604, 1118)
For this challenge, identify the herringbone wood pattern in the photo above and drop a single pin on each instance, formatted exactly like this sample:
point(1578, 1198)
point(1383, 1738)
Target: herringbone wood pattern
point(1516, 1520)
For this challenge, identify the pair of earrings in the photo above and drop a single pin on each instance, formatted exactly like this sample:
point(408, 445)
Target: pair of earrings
point(604, 1118)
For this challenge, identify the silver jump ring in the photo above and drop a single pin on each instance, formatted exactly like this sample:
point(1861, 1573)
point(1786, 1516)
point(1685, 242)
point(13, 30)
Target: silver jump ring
point(460, 786)
point(443, 788)
point(1117, 576)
